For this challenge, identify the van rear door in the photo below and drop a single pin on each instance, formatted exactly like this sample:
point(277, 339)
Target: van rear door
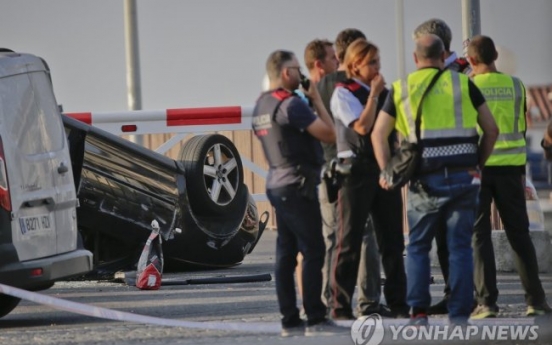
point(43, 197)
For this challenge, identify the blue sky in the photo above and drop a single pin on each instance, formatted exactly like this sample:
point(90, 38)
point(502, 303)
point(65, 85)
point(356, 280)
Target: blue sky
point(212, 52)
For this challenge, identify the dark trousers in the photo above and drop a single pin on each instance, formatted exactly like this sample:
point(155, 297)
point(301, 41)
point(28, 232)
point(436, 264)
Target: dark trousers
point(509, 195)
point(360, 196)
point(299, 230)
point(369, 275)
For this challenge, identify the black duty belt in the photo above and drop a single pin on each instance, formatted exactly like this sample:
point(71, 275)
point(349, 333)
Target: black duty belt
point(450, 170)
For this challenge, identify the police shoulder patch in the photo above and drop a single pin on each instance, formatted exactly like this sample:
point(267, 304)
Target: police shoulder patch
point(281, 94)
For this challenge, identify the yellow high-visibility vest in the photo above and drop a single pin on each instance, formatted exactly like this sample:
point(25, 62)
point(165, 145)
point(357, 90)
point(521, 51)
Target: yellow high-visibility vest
point(449, 120)
point(505, 96)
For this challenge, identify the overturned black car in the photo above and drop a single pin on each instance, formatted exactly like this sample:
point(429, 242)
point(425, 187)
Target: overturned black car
point(205, 212)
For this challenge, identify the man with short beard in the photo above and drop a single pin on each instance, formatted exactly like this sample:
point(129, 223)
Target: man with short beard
point(289, 132)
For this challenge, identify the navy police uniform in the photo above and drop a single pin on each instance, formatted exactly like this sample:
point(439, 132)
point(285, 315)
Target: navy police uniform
point(295, 158)
point(369, 274)
point(359, 196)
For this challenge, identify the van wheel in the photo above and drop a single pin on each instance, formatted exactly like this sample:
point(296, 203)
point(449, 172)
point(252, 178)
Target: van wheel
point(214, 174)
point(7, 304)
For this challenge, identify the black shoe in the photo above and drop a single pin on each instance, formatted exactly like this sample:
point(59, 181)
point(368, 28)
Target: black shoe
point(439, 308)
point(292, 331)
point(381, 309)
point(401, 313)
point(341, 315)
point(326, 327)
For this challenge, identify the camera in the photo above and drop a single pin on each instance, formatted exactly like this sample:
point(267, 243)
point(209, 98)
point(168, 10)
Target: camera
point(305, 82)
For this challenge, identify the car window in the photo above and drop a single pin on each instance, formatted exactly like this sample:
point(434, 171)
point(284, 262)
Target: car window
point(29, 112)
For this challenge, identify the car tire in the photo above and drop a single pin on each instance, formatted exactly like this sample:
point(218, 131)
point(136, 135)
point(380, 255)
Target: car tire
point(214, 174)
point(7, 304)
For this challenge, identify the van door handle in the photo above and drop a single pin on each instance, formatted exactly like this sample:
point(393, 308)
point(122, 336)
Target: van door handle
point(62, 168)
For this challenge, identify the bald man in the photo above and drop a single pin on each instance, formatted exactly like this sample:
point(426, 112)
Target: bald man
point(443, 191)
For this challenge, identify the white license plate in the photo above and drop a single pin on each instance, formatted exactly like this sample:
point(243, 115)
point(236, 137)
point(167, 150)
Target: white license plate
point(35, 223)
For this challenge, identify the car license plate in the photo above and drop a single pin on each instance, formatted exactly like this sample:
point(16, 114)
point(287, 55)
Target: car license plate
point(35, 223)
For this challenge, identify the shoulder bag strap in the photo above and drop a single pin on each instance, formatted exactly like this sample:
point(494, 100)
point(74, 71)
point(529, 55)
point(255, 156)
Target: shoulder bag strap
point(418, 121)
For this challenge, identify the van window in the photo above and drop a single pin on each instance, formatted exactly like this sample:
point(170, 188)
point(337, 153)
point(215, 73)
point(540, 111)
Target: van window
point(29, 113)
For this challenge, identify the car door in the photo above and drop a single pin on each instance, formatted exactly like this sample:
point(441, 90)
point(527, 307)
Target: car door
point(65, 199)
point(42, 196)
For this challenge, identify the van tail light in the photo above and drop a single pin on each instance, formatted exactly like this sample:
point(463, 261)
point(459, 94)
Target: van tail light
point(37, 272)
point(5, 200)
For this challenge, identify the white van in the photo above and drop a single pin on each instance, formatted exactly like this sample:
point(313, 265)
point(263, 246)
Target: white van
point(38, 224)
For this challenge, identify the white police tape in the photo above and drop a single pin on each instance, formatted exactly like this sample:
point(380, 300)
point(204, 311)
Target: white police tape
point(104, 313)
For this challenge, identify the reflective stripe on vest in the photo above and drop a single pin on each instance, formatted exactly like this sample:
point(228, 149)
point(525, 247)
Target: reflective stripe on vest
point(505, 97)
point(447, 106)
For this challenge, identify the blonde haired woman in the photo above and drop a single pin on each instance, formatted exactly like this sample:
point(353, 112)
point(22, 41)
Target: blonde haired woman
point(354, 104)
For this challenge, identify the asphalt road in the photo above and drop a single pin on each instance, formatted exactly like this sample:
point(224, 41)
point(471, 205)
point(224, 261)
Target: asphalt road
point(243, 303)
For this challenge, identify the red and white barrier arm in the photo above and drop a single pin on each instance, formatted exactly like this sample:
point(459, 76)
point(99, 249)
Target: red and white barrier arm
point(183, 120)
